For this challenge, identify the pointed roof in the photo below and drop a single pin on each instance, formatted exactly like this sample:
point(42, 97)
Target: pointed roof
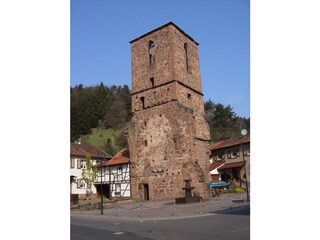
point(163, 26)
point(122, 157)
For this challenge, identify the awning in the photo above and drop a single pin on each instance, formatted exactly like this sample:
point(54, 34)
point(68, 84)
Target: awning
point(232, 165)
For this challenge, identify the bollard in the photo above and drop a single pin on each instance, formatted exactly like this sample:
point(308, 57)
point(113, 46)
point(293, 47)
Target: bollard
point(140, 210)
point(200, 206)
point(116, 210)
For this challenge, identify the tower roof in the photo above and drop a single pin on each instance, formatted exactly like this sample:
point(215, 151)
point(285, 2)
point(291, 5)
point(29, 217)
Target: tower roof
point(163, 26)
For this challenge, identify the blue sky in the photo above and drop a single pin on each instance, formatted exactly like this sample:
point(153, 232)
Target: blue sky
point(101, 31)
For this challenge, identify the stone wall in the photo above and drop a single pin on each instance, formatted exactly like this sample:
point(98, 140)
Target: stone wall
point(164, 152)
point(168, 136)
point(160, 70)
point(190, 76)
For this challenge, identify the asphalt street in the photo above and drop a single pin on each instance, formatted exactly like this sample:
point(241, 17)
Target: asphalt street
point(227, 224)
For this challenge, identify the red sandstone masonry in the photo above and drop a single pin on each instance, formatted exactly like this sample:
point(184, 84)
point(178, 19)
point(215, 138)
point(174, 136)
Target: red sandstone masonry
point(168, 136)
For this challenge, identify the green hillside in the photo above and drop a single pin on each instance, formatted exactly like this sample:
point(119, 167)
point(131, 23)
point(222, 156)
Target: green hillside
point(109, 140)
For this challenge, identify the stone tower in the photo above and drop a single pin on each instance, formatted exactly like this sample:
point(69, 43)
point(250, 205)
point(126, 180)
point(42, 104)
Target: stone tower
point(168, 136)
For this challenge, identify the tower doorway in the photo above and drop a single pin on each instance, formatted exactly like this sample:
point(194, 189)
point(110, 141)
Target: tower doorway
point(146, 192)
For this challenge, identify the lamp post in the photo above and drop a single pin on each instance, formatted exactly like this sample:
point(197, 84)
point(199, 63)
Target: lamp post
point(244, 133)
point(101, 202)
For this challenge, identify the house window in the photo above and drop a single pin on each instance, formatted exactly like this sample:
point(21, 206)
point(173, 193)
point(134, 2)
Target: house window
point(81, 183)
point(151, 52)
point(220, 156)
point(234, 154)
point(83, 164)
point(118, 188)
point(74, 180)
point(71, 163)
point(119, 170)
point(101, 172)
point(247, 151)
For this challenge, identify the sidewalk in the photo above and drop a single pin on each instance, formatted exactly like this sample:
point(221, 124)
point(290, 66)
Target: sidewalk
point(166, 209)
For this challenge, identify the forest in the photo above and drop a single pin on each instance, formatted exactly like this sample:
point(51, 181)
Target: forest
point(98, 115)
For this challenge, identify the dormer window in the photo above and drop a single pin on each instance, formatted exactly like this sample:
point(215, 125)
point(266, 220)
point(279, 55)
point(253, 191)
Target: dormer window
point(218, 156)
point(247, 151)
point(234, 154)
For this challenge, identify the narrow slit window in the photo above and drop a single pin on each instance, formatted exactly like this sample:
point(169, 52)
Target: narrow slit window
point(151, 52)
point(186, 56)
point(142, 102)
point(152, 82)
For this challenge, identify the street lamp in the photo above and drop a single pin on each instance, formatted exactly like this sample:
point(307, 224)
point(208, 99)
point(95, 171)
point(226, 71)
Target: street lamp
point(244, 133)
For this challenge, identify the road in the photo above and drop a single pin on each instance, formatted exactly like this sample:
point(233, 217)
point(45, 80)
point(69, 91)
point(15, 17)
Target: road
point(232, 224)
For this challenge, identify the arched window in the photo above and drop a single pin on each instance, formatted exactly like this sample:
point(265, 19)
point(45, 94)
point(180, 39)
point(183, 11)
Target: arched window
point(152, 47)
point(186, 56)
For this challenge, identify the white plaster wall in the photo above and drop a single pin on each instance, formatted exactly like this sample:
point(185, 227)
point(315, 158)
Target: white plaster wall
point(125, 186)
point(77, 172)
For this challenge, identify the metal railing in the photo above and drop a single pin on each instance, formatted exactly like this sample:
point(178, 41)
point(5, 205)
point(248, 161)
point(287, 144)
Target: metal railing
point(167, 208)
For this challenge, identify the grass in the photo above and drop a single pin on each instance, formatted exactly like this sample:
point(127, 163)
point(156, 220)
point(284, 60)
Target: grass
point(99, 138)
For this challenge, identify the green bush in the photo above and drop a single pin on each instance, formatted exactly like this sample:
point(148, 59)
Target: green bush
point(231, 190)
point(87, 208)
point(240, 190)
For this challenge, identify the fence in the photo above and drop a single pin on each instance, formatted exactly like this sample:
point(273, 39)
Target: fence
point(160, 209)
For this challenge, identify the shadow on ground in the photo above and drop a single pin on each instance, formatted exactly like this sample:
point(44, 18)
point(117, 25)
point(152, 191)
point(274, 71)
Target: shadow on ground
point(243, 210)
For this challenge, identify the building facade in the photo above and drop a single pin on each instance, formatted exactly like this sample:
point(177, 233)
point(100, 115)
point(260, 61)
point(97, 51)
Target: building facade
point(168, 136)
point(115, 176)
point(230, 160)
point(78, 153)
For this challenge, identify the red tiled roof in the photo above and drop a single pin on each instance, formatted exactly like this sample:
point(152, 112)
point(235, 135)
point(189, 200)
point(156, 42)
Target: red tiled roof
point(81, 150)
point(214, 165)
point(121, 157)
point(232, 165)
point(229, 142)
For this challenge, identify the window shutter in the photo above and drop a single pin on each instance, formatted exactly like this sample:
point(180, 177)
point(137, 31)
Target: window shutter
point(215, 157)
point(78, 164)
point(229, 155)
point(238, 154)
point(222, 155)
point(78, 183)
point(245, 152)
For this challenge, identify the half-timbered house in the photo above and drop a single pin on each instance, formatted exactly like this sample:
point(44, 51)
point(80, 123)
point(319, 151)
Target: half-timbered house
point(115, 176)
point(78, 153)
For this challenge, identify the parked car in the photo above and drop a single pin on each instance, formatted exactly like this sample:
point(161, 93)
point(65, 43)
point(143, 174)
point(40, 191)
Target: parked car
point(219, 184)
